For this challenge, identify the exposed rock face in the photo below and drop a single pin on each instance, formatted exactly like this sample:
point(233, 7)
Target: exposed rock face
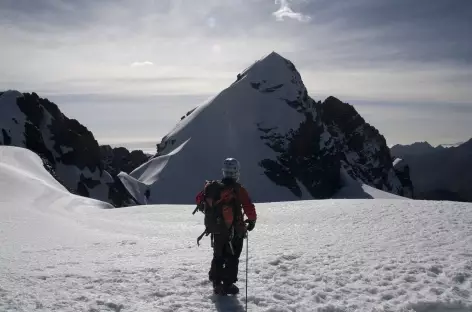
point(68, 149)
point(299, 161)
point(360, 146)
point(120, 159)
point(331, 135)
point(402, 169)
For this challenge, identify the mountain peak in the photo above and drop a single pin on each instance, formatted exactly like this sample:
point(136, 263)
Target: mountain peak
point(271, 66)
point(289, 146)
point(423, 144)
point(274, 57)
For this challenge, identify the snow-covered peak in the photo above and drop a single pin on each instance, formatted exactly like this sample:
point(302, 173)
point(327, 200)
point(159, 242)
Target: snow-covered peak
point(272, 72)
point(289, 146)
point(229, 125)
point(275, 74)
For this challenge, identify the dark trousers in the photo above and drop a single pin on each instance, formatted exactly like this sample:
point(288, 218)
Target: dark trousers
point(224, 265)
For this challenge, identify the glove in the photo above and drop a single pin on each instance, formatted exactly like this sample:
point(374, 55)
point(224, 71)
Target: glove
point(250, 224)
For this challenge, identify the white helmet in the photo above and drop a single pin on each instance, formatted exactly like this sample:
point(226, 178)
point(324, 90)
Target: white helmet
point(231, 168)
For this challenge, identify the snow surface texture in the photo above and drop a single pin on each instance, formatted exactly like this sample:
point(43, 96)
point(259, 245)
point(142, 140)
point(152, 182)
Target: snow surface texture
point(289, 146)
point(61, 252)
point(67, 147)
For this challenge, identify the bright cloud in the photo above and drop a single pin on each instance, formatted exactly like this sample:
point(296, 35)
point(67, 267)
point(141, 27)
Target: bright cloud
point(286, 12)
point(141, 64)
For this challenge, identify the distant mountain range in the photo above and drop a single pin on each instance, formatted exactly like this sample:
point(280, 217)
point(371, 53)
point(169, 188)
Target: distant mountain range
point(439, 173)
point(420, 148)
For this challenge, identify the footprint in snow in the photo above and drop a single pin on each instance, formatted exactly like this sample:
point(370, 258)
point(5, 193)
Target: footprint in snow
point(127, 242)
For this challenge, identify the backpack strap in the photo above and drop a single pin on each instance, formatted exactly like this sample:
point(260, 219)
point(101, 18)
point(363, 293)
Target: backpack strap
point(205, 233)
point(199, 238)
point(237, 205)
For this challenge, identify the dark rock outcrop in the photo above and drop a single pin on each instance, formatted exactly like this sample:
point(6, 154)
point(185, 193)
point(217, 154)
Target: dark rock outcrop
point(402, 169)
point(68, 149)
point(120, 159)
point(359, 145)
point(299, 160)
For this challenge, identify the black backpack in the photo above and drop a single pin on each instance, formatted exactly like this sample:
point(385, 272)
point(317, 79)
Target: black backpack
point(225, 207)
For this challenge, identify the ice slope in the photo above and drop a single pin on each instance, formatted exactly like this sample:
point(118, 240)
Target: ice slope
point(60, 252)
point(354, 189)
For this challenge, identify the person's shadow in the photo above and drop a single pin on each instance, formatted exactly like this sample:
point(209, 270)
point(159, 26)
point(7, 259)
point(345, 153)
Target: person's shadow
point(227, 303)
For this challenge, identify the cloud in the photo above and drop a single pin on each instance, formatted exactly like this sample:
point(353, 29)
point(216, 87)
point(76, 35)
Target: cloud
point(286, 11)
point(369, 48)
point(216, 48)
point(141, 64)
point(211, 22)
point(400, 51)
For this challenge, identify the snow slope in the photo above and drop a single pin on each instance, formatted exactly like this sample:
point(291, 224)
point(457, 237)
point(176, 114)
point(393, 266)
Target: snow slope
point(354, 189)
point(289, 146)
point(61, 252)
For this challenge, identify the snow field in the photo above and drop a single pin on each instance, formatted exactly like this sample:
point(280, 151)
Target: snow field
point(60, 252)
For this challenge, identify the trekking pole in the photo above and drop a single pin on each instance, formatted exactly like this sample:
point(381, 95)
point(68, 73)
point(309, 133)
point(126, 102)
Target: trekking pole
point(247, 260)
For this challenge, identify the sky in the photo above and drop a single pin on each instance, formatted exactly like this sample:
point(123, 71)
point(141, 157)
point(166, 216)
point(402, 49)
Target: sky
point(129, 69)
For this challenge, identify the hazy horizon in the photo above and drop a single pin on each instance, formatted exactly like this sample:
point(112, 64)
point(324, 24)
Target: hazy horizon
point(129, 71)
point(157, 120)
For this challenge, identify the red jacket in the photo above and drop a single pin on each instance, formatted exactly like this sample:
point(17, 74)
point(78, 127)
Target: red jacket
point(246, 203)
